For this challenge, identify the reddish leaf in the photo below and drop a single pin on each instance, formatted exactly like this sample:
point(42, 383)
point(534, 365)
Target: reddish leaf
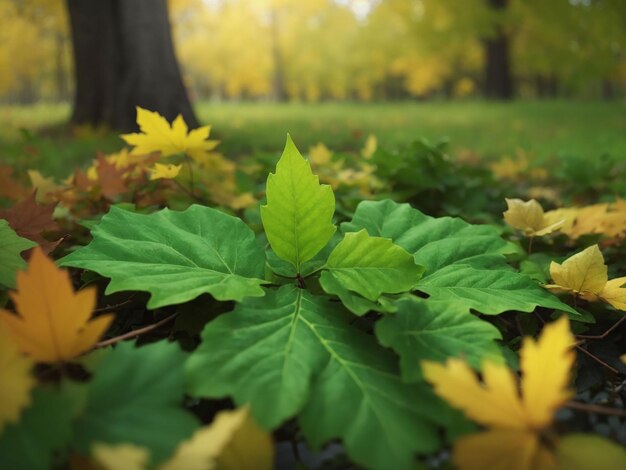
point(30, 220)
point(9, 187)
point(81, 182)
point(110, 179)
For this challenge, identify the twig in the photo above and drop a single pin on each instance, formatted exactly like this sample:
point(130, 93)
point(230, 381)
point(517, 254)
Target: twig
point(135, 333)
point(191, 185)
point(606, 333)
point(575, 405)
point(597, 359)
point(112, 307)
point(543, 322)
point(188, 192)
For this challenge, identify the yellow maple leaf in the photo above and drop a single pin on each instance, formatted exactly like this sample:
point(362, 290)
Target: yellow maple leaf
point(585, 275)
point(44, 186)
point(568, 215)
point(320, 155)
point(53, 324)
point(370, 147)
point(232, 442)
point(508, 168)
point(514, 420)
point(120, 456)
point(158, 136)
point(16, 380)
point(164, 171)
point(529, 217)
point(503, 449)
point(124, 159)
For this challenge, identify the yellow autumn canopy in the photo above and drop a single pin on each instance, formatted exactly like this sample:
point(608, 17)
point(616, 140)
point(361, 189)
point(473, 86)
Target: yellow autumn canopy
point(514, 420)
point(53, 322)
point(585, 275)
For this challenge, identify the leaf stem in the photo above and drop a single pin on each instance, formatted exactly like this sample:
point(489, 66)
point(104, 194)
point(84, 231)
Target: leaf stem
point(597, 359)
point(530, 245)
point(135, 333)
point(188, 192)
point(112, 307)
point(191, 183)
point(590, 408)
point(606, 333)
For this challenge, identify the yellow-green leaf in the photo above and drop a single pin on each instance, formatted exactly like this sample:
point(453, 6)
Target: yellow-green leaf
point(371, 266)
point(588, 452)
point(298, 215)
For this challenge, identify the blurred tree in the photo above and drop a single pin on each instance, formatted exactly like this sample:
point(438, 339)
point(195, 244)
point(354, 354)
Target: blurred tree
point(307, 50)
point(124, 57)
point(498, 79)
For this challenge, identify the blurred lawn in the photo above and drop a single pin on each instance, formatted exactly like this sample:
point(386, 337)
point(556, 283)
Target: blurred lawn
point(542, 129)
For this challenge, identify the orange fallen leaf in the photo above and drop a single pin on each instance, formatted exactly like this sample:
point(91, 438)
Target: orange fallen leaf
point(53, 322)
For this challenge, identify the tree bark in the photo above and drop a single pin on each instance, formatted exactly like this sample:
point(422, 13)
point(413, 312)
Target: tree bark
point(498, 79)
point(123, 58)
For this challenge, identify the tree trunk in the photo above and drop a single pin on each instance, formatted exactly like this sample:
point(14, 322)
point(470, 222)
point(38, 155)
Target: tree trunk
point(498, 80)
point(278, 79)
point(123, 58)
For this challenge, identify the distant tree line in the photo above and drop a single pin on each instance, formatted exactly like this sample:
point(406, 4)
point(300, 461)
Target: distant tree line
point(111, 54)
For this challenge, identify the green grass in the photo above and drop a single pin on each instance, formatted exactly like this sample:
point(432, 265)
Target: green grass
point(543, 129)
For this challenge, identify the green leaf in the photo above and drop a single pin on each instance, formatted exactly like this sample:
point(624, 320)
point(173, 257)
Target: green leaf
point(585, 452)
point(136, 397)
point(371, 266)
point(262, 353)
point(360, 398)
point(176, 256)
point(434, 242)
point(291, 351)
point(354, 302)
point(490, 291)
point(464, 263)
point(11, 245)
point(435, 331)
point(43, 428)
point(299, 211)
point(285, 269)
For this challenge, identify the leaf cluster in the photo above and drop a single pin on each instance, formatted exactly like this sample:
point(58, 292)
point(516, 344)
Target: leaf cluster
point(360, 332)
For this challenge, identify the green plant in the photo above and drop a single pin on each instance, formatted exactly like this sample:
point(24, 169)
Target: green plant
point(298, 343)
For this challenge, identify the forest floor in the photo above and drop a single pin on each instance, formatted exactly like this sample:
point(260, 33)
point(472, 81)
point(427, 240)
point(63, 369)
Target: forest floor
point(35, 136)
